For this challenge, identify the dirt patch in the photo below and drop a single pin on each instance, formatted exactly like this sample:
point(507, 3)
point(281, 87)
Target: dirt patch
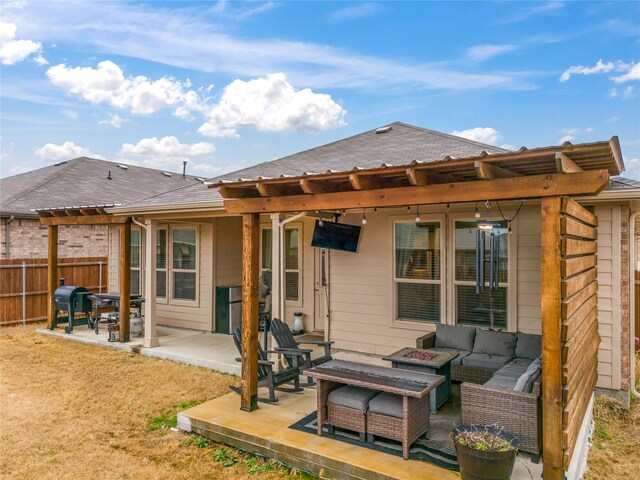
point(76, 411)
point(616, 442)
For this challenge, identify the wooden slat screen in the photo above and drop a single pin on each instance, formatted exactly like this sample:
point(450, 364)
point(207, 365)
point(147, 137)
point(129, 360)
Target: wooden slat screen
point(76, 271)
point(579, 313)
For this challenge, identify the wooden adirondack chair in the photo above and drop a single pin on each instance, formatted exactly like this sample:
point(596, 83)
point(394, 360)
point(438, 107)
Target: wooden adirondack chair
point(294, 355)
point(266, 375)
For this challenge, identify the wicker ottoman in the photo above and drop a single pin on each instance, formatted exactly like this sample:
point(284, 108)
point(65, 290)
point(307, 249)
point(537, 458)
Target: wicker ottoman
point(403, 419)
point(347, 408)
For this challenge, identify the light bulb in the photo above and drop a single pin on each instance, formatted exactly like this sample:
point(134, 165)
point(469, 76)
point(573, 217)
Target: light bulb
point(418, 218)
point(320, 222)
point(477, 214)
point(364, 220)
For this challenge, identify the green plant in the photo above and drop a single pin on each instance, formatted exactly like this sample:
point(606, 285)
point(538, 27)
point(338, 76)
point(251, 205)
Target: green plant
point(169, 418)
point(484, 439)
point(202, 442)
point(221, 455)
point(258, 466)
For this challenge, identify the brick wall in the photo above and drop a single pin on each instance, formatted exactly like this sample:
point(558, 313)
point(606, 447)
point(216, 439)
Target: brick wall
point(28, 239)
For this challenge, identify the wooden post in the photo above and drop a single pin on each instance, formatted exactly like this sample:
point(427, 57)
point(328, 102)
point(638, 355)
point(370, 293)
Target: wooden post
point(125, 280)
point(52, 273)
point(250, 256)
point(150, 335)
point(552, 452)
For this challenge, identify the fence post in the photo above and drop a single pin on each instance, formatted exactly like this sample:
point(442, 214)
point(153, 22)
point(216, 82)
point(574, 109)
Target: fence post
point(100, 277)
point(24, 293)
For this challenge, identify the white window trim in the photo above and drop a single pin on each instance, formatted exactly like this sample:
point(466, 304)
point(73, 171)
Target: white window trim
point(165, 300)
point(140, 267)
point(415, 324)
point(171, 286)
point(512, 268)
point(300, 270)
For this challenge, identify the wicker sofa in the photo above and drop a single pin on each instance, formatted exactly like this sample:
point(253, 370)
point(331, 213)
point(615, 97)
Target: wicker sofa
point(501, 375)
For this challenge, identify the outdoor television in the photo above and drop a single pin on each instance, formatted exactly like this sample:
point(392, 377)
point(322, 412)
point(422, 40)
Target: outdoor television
point(336, 236)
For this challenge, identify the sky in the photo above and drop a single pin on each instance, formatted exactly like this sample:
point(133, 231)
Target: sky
point(225, 85)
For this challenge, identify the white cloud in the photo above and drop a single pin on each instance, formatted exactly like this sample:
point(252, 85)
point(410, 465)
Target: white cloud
point(566, 138)
point(72, 114)
point(113, 120)
point(599, 67)
point(66, 151)
point(356, 11)
point(18, 169)
point(480, 53)
point(168, 153)
point(632, 74)
point(13, 51)
point(538, 9)
point(632, 168)
point(271, 104)
point(487, 135)
point(107, 84)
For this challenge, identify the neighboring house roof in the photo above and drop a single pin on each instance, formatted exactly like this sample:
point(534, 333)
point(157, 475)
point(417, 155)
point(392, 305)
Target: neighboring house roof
point(622, 183)
point(400, 145)
point(83, 182)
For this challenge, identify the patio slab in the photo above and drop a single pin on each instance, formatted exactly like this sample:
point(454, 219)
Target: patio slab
point(266, 431)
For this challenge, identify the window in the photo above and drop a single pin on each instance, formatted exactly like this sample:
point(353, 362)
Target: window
point(487, 308)
point(417, 271)
point(292, 261)
point(184, 263)
point(161, 263)
point(135, 261)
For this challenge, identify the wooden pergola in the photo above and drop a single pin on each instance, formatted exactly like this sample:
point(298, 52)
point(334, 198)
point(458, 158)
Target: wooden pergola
point(88, 215)
point(569, 287)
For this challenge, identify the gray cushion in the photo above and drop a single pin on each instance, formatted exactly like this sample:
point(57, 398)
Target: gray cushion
point(523, 362)
point(513, 370)
point(484, 360)
point(352, 397)
point(528, 346)
point(388, 404)
point(501, 381)
point(495, 343)
point(455, 336)
point(526, 380)
point(458, 359)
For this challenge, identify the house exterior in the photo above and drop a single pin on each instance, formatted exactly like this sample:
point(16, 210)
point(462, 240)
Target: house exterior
point(80, 181)
point(418, 196)
point(361, 290)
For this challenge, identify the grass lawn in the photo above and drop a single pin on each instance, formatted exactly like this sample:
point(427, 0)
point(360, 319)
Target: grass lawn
point(616, 442)
point(70, 410)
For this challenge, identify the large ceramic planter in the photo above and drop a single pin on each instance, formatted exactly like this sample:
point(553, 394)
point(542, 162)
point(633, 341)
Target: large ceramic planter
point(481, 465)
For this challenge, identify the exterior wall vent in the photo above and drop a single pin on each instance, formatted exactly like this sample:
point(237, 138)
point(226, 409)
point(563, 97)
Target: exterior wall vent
point(386, 129)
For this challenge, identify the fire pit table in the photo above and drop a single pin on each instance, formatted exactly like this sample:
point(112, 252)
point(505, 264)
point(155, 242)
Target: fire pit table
point(427, 361)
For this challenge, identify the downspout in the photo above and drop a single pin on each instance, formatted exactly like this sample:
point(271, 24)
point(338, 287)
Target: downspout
point(283, 295)
point(7, 236)
point(633, 259)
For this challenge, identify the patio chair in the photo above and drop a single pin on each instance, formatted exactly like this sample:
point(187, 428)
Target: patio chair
point(267, 377)
point(293, 354)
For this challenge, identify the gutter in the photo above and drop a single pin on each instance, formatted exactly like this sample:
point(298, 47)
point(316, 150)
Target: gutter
point(633, 259)
point(7, 236)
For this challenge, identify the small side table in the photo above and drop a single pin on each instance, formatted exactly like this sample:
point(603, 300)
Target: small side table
point(439, 363)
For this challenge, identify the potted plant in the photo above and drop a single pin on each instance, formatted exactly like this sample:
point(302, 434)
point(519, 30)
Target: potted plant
point(485, 452)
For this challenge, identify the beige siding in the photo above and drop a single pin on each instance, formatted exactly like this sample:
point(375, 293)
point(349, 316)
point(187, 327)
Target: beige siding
point(609, 224)
point(529, 290)
point(228, 250)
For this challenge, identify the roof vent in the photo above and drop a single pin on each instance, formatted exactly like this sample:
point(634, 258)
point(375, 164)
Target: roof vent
point(386, 129)
point(166, 174)
point(123, 167)
point(59, 163)
point(200, 179)
point(109, 176)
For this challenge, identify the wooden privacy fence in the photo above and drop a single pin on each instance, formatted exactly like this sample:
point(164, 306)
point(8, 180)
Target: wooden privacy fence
point(637, 313)
point(23, 284)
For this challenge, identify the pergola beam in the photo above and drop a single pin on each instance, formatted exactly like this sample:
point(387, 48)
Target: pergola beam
point(311, 186)
point(124, 308)
point(52, 272)
point(57, 219)
point(534, 186)
point(487, 171)
point(565, 164)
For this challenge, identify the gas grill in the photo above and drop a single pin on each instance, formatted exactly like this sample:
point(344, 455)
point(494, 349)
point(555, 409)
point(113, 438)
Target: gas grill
point(73, 300)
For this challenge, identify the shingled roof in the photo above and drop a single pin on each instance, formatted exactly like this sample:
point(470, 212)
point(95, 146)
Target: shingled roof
point(398, 145)
point(84, 181)
point(395, 144)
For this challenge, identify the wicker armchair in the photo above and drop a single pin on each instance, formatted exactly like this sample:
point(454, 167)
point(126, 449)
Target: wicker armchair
point(459, 373)
point(518, 413)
